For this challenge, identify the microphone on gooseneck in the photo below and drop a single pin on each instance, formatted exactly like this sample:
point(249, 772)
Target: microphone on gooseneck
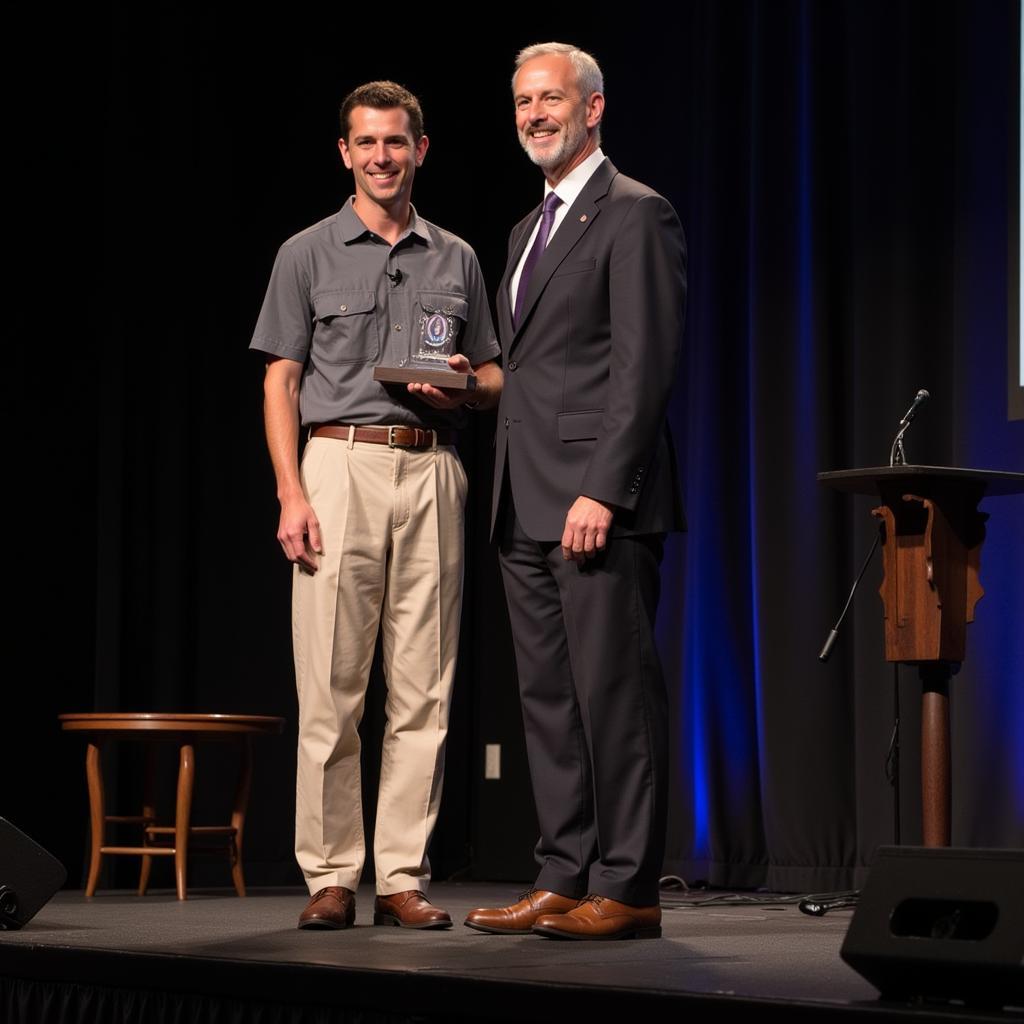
point(897, 456)
point(920, 397)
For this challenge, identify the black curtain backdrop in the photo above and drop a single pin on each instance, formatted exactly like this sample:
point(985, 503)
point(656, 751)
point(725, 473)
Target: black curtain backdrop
point(843, 172)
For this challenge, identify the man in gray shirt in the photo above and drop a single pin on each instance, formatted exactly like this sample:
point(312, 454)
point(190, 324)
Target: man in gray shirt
point(373, 518)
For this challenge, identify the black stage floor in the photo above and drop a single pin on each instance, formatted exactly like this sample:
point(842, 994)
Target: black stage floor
point(220, 958)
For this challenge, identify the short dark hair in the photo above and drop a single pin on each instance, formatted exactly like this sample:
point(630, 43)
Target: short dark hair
point(382, 96)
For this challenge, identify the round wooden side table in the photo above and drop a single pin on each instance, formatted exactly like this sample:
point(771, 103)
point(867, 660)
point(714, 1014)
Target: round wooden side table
point(168, 840)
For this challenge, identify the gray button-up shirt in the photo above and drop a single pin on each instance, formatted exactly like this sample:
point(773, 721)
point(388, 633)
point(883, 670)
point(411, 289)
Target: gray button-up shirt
point(332, 306)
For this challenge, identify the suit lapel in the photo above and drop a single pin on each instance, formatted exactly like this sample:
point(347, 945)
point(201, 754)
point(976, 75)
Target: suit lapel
point(520, 236)
point(579, 218)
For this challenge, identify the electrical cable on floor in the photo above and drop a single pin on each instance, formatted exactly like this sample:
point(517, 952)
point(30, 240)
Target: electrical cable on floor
point(814, 904)
point(672, 882)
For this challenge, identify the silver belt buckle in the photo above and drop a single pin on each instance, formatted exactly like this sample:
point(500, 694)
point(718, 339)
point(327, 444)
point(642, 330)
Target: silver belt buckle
point(391, 437)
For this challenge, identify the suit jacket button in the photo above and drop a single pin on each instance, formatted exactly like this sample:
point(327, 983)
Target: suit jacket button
point(513, 365)
point(506, 422)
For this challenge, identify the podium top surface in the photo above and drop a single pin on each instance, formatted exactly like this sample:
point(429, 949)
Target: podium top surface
point(869, 481)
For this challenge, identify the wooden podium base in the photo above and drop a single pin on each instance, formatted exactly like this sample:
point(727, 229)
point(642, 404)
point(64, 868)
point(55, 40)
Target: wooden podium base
point(935, 759)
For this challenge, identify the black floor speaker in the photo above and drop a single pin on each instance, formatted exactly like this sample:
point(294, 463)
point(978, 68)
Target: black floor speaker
point(29, 876)
point(942, 924)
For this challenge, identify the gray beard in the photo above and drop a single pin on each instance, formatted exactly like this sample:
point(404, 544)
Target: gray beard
point(572, 138)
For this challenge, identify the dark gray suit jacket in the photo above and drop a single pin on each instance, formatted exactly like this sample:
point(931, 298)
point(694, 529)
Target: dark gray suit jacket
point(589, 369)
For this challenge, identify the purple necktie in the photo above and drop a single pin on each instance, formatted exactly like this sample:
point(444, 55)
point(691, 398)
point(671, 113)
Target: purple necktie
point(547, 218)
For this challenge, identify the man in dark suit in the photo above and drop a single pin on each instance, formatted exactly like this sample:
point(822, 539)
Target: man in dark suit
point(590, 313)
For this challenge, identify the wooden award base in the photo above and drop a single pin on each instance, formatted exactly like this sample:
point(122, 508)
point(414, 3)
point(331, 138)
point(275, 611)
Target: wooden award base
point(421, 375)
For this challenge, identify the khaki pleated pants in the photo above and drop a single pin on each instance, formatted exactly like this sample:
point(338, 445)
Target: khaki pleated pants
point(391, 522)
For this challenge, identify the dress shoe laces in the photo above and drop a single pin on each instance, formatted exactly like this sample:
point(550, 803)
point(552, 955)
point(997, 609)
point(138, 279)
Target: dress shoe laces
point(413, 894)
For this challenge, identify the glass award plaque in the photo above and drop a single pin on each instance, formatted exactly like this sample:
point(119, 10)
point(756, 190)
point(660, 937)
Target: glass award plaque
point(433, 341)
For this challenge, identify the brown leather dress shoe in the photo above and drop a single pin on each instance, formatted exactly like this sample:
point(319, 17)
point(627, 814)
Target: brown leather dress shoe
point(333, 907)
point(598, 917)
point(409, 909)
point(519, 918)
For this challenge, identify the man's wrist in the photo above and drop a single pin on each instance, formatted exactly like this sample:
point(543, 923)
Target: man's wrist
point(484, 397)
point(286, 495)
point(610, 506)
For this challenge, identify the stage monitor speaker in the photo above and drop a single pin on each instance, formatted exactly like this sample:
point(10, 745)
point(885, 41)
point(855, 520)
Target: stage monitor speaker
point(29, 876)
point(942, 923)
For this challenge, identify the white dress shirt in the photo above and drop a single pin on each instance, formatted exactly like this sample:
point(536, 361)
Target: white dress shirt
point(568, 189)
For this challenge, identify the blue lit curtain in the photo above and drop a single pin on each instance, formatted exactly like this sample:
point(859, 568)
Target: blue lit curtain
point(845, 191)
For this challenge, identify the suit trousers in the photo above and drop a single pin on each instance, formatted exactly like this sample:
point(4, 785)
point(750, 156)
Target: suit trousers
point(595, 711)
point(391, 523)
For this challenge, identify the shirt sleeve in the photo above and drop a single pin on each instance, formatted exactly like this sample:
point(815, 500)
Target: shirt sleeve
point(478, 343)
point(285, 325)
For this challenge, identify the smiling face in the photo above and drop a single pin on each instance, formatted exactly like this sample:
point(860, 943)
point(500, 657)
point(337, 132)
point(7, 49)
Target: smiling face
point(382, 155)
point(556, 125)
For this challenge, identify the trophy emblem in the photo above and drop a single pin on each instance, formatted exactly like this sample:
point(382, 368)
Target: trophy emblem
point(438, 331)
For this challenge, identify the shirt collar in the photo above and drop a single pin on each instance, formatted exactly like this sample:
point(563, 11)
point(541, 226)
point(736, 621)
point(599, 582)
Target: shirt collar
point(353, 229)
point(574, 182)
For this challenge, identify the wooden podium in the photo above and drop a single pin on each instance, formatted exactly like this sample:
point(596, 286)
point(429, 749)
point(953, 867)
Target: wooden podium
point(932, 534)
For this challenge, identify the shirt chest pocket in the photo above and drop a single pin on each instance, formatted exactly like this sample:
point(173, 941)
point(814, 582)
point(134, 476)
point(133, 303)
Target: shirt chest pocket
point(346, 327)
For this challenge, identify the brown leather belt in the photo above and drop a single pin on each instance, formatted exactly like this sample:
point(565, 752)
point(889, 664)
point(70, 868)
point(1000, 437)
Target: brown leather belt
point(393, 437)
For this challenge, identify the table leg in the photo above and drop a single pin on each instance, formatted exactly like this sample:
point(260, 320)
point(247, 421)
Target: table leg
point(238, 813)
point(94, 777)
point(186, 777)
point(935, 760)
point(148, 814)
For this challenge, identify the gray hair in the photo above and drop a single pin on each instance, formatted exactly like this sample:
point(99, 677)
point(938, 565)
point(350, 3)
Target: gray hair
point(588, 74)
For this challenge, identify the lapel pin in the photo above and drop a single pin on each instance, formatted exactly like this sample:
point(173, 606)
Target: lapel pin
point(583, 217)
